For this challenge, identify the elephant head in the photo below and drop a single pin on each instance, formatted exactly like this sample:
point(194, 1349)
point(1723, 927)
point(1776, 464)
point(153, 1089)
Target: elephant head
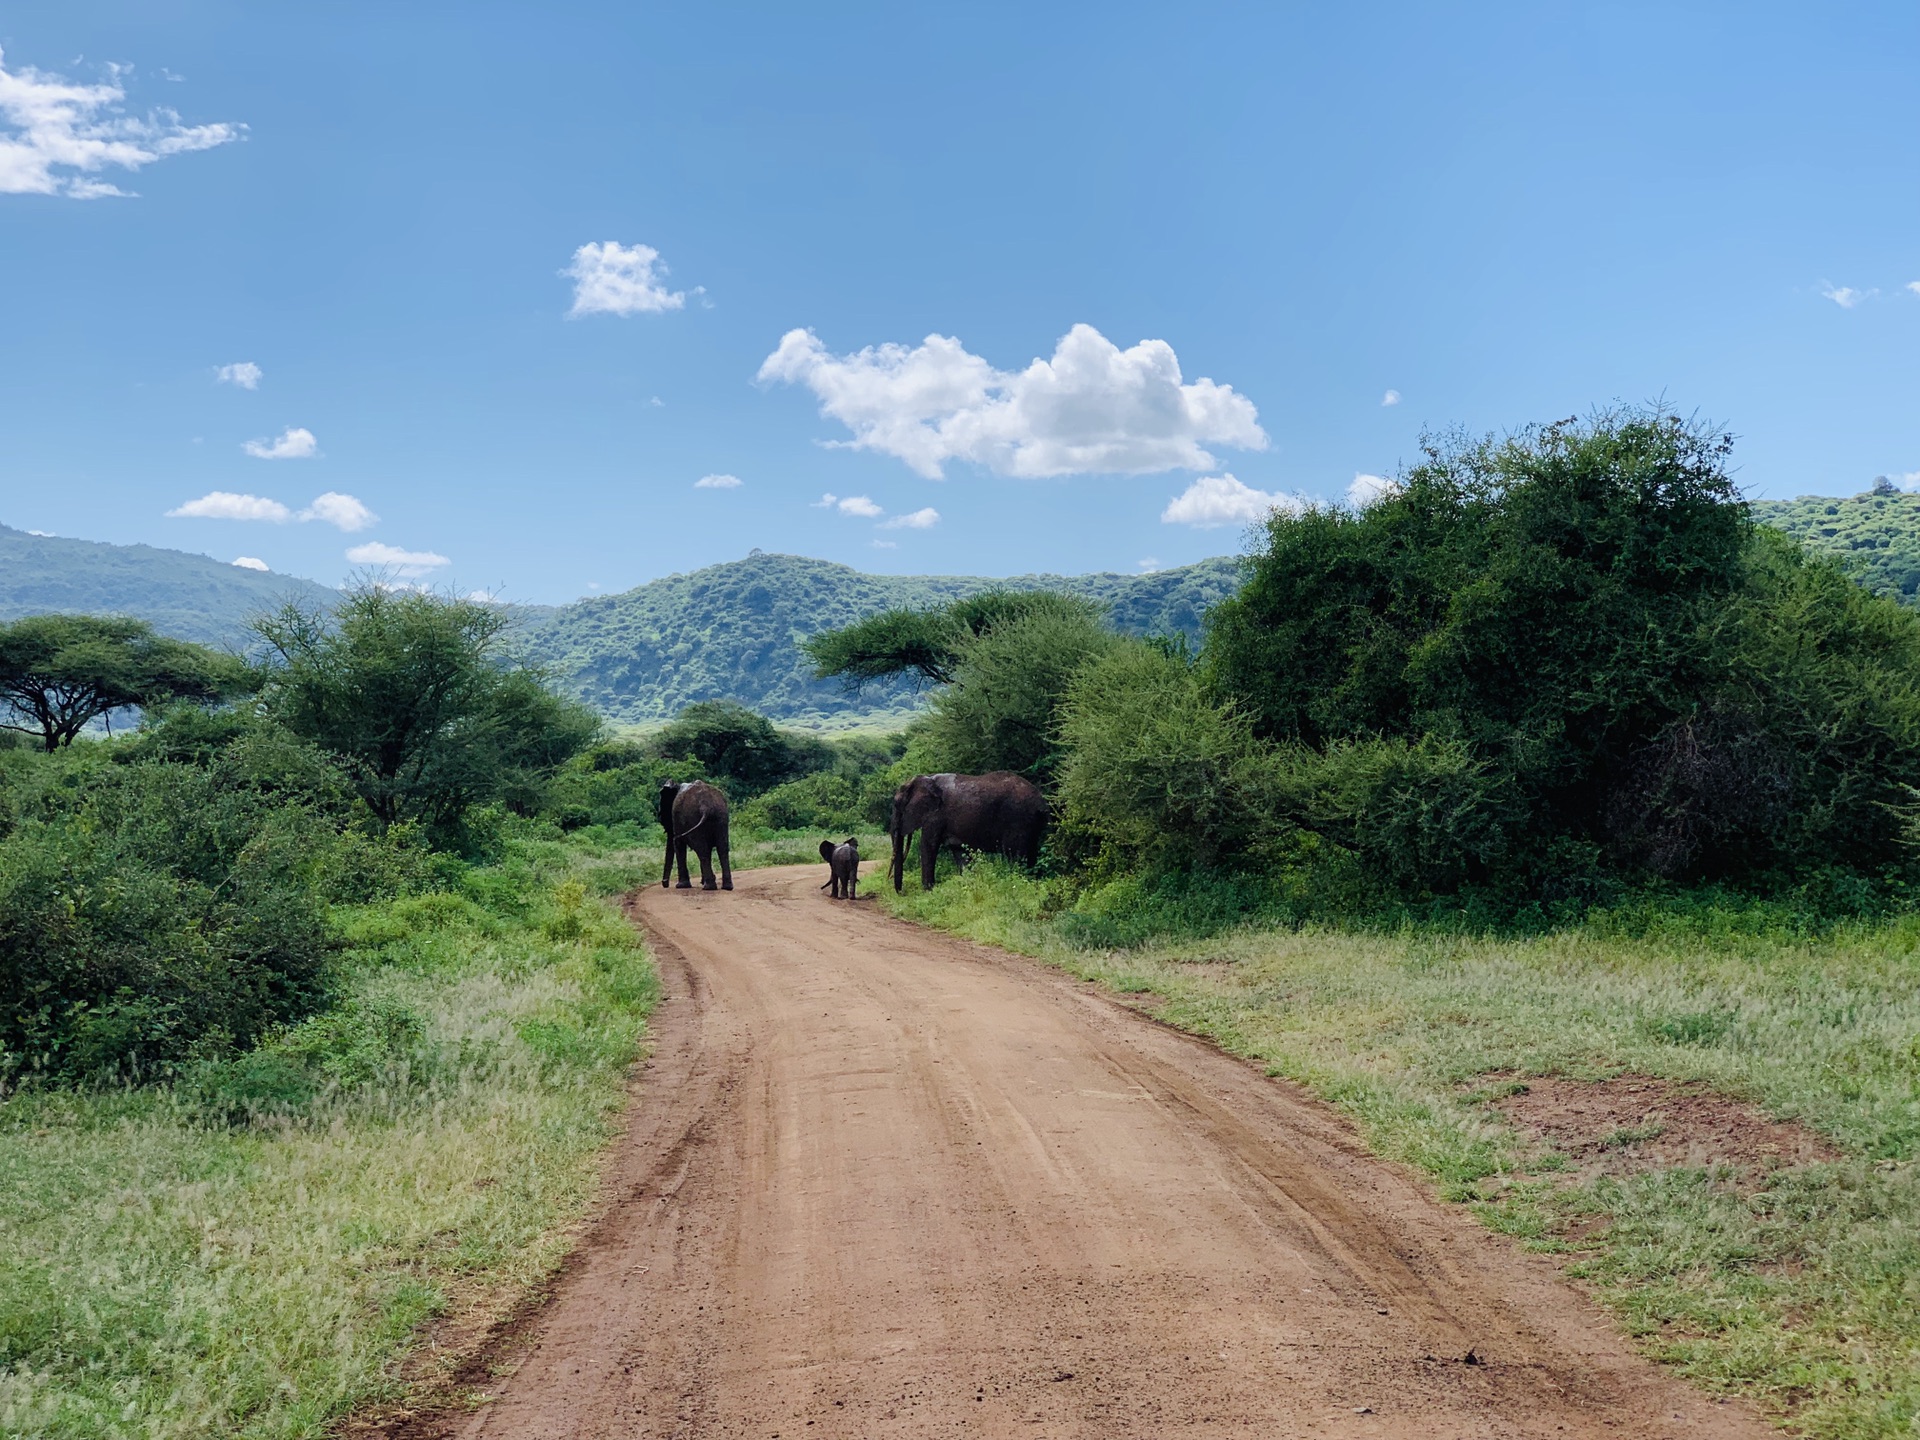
point(669, 791)
point(914, 803)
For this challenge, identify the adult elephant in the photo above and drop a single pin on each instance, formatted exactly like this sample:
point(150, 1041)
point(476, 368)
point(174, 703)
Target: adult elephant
point(694, 813)
point(996, 814)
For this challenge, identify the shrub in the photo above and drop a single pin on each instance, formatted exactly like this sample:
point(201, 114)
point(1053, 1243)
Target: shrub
point(1156, 770)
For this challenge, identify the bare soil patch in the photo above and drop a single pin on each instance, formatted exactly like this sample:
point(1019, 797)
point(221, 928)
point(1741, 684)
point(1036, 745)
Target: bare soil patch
point(1633, 1123)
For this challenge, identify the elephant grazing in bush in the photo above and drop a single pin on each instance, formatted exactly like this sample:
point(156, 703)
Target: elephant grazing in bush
point(995, 814)
point(694, 813)
point(843, 867)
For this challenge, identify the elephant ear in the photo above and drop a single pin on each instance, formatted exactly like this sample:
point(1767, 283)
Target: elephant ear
point(826, 851)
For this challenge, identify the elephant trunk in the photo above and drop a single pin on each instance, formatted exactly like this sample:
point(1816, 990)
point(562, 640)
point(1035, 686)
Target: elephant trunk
point(897, 832)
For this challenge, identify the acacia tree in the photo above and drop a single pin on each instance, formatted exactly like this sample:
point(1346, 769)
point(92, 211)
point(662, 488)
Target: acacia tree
point(418, 697)
point(59, 673)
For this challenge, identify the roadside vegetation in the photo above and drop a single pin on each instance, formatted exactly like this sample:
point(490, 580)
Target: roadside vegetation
point(1551, 768)
point(315, 1014)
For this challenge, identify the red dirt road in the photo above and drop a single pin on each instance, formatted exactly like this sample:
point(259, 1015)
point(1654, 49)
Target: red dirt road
point(880, 1182)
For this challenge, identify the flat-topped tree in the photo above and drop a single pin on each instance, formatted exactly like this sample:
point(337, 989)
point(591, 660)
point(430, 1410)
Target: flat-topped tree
point(60, 673)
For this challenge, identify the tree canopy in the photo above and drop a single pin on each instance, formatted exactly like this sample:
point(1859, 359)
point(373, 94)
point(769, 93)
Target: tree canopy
point(417, 694)
point(60, 673)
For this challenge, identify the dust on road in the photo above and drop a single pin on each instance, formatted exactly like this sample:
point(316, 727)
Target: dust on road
point(881, 1182)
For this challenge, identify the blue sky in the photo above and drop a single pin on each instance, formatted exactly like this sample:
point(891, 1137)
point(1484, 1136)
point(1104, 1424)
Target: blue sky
point(1500, 214)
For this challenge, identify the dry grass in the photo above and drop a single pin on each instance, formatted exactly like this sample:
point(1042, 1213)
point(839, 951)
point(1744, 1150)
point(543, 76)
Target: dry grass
point(1801, 1291)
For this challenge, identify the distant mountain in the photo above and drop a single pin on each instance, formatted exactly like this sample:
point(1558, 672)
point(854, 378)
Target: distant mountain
point(1875, 534)
point(732, 632)
point(192, 597)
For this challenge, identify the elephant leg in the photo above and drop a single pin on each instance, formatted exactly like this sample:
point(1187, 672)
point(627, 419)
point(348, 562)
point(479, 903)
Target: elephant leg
point(666, 864)
point(680, 853)
point(853, 882)
point(959, 853)
point(726, 866)
point(930, 843)
point(705, 851)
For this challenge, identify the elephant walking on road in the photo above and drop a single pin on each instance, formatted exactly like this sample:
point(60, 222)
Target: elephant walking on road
point(995, 814)
point(694, 813)
point(843, 867)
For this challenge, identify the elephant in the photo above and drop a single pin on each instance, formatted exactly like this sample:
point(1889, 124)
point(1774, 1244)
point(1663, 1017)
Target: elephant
point(843, 863)
point(995, 814)
point(694, 813)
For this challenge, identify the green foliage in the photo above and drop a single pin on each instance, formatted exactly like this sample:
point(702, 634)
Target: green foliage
point(735, 632)
point(415, 694)
point(1000, 712)
point(739, 750)
point(1553, 662)
point(59, 673)
point(1154, 770)
point(152, 912)
point(1875, 535)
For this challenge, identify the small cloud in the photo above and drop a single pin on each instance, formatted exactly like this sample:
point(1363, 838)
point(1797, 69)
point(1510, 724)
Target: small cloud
point(1845, 296)
point(1215, 500)
point(226, 505)
point(701, 291)
point(407, 564)
point(343, 512)
point(614, 279)
point(919, 520)
point(1392, 397)
point(294, 443)
point(886, 545)
point(1914, 286)
point(656, 402)
point(1148, 565)
point(249, 562)
point(718, 482)
point(859, 505)
point(44, 534)
point(1369, 490)
point(826, 501)
point(245, 374)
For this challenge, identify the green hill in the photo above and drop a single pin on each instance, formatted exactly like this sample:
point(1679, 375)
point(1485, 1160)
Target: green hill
point(191, 597)
point(1875, 534)
point(732, 632)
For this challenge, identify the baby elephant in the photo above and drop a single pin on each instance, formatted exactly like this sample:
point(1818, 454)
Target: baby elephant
point(843, 864)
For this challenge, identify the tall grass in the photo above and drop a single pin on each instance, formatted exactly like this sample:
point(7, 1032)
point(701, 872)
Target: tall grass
point(1802, 1291)
point(250, 1251)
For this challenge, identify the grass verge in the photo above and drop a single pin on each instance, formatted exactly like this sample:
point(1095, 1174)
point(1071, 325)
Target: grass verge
point(1799, 1289)
point(249, 1252)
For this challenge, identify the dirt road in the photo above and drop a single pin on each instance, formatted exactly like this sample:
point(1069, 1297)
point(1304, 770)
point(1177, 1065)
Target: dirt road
point(885, 1183)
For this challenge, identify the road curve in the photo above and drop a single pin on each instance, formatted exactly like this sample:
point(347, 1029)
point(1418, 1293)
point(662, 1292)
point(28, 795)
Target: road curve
point(881, 1182)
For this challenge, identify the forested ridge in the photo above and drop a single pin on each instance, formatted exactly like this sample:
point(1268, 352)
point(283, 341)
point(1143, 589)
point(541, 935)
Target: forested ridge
point(733, 632)
point(1875, 535)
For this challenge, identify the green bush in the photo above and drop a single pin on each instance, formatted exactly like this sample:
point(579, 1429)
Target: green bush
point(1001, 711)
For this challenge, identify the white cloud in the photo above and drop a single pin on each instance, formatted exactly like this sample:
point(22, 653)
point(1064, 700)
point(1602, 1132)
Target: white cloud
point(225, 505)
point(858, 505)
point(1214, 500)
point(919, 520)
point(343, 512)
point(718, 482)
point(886, 545)
point(249, 562)
point(1148, 565)
point(56, 134)
point(1914, 286)
point(1369, 490)
point(1092, 409)
point(1392, 397)
point(246, 375)
point(615, 279)
point(294, 443)
point(1845, 296)
point(407, 564)
point(44, 534)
